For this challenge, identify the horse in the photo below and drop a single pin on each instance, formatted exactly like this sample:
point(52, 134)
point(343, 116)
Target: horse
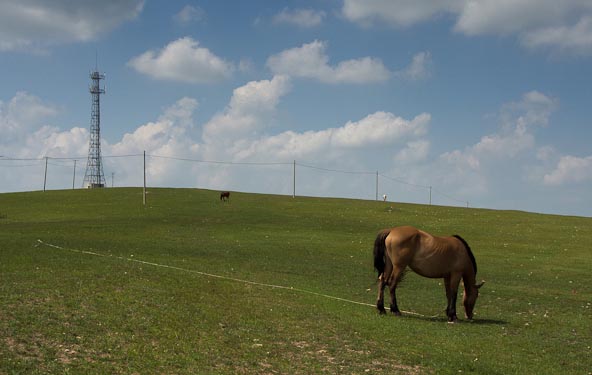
point(225, 196)
point(430, 256)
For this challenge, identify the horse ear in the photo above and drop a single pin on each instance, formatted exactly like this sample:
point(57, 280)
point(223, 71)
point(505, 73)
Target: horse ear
point(480, 284)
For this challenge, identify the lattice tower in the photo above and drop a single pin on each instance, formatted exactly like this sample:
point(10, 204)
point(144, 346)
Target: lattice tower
point(94, 176)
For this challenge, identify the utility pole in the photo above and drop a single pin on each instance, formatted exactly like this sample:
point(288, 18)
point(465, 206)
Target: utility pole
point(74, 178)
point(294, 180)
point(377, 186)
point(45, 177)
point(144, 199)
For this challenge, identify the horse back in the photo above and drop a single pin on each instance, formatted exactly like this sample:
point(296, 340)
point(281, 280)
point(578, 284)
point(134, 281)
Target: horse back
point(402, 244)
point(425, 254)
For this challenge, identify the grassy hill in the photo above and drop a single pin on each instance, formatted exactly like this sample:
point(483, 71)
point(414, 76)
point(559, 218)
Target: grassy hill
point(116, 287)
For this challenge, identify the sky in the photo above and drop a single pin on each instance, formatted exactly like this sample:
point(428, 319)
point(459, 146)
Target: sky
point(479, 103)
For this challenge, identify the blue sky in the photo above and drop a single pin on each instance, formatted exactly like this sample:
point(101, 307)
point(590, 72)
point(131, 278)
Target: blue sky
point(488, 102)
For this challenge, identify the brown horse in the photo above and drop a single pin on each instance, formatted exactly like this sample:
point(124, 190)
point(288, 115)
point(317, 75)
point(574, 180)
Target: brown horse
point(450, 258)
point(225, 196)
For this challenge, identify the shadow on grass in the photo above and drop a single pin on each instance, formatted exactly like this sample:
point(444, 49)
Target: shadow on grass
point(444, 319)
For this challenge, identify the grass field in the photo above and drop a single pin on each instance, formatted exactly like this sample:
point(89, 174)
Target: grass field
point(91, 306)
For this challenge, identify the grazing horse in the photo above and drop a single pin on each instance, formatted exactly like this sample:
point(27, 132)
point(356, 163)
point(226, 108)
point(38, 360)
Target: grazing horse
point(447, 257)
point(225, 196)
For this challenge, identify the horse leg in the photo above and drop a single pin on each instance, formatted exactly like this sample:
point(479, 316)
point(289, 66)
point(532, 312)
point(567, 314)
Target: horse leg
point(451, 283)
point(396, 277)
point(380, 299)
point(383, 280)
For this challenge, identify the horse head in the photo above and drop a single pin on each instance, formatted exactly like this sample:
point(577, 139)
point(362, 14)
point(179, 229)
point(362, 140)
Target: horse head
point(470, 298)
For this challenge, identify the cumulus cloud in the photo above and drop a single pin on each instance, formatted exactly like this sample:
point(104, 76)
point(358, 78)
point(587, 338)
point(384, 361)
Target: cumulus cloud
point(183, 60)
point(172, 135)
point(377, 129)
point(561, 25)
point(570, 169)
point(164, 136)
point(22, 114)
point(516, 135)
point(311, 61)
point(399, 13)
point(244, 131)
point(247, 111)
point(305, 18)
point(28, 134)
point(414, 152)
point(419, 68)
point(499, 165)
point(35, 24)
point(575, 38)
point(189, 14)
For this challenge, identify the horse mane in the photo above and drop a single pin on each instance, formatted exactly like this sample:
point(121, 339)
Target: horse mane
point(469, 252)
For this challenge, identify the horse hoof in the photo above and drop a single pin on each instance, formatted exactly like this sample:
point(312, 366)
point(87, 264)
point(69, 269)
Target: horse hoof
point(396, 313)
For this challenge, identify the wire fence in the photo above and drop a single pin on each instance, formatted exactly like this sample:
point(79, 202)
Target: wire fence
point(286, 178)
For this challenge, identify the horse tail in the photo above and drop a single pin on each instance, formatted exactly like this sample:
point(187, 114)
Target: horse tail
point(469, 252)
point(379, 251)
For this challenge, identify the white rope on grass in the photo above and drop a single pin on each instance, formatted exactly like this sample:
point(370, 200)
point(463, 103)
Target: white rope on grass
point(86, 252)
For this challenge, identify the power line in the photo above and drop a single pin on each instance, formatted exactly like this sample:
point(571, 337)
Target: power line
point(335, 170)
point(450, 197)
point(217, 162)
point(404, 182)
point(19, 166)
point(60, 162)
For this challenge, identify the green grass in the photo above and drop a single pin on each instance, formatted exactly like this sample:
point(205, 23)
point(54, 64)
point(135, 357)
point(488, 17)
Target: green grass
point(63, 311)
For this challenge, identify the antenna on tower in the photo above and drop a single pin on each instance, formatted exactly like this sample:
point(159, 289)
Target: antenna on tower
point(94, 176)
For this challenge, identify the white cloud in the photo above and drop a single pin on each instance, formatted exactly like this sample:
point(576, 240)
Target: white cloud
point(569, 170)
point(377, 129)
point(27, 134)
point(506, 17)
point(55, 143)
point(501, 161)
point(172, 135)
point(563, 25)
point(164, 135)
point(23, 114)
point(572, 38)
point(414, 152)
point(399, 13)
point(517, 121)
point(247, 110)
point(305, 18)
point(560, 25)
point(419, 68)
point(311, 61)
point(183, 60)
point(189, 14)
point(491, 171)
point(35, 24)
point(534, 109)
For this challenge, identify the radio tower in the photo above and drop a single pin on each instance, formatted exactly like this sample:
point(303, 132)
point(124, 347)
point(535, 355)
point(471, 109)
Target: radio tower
point(94, 176)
